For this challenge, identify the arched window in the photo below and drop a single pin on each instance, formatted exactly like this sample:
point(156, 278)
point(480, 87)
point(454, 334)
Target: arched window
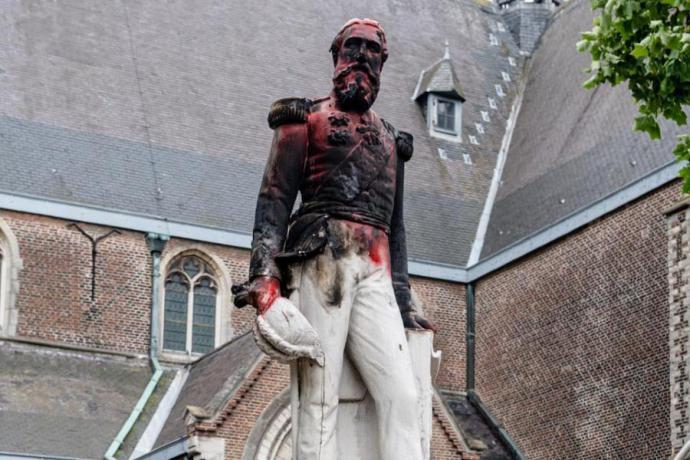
point(190, 306)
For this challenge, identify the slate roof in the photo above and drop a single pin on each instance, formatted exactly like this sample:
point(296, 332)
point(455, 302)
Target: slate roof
point(212, 380)
point(77, 401)
point(571, 146)
point(159, 109)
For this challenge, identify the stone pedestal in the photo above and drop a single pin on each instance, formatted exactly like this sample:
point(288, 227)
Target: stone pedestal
point(357, 423)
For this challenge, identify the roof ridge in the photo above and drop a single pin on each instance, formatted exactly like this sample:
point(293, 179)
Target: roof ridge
point(218, 349)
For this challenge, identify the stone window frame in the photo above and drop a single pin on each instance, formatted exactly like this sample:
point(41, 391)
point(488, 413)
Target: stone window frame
point(432, 116)
point(10, 267)
point(223, 331)
point(499, 91)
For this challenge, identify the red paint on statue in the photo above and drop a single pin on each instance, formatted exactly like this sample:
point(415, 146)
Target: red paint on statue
point(374, 241)
point(267, 290)
point(379, 253)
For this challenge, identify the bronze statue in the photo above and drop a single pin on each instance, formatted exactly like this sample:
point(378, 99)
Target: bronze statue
point(341, 257)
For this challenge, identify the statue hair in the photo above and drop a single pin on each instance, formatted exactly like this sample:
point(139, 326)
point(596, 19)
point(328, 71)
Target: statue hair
point(338, 40)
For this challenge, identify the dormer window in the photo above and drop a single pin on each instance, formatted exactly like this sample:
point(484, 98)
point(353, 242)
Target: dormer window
point(440, 97)
point(444, 116)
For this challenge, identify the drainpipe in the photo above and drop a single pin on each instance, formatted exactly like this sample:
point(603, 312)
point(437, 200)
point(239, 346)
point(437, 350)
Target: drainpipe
point(156, 243)
point(469, 337)
point(472, 395)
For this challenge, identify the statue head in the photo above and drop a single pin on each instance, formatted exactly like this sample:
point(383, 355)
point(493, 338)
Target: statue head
point(359, 51)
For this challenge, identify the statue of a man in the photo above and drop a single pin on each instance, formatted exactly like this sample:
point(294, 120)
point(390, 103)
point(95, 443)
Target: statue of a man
point(341, 257)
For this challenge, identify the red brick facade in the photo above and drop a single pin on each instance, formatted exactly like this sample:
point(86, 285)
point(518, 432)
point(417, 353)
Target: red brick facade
point(572, 341)
point(444, 305)
point(54, 299)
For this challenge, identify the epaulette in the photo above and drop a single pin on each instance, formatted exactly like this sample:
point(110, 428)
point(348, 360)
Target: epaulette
point(288, 110)
point(404, 145)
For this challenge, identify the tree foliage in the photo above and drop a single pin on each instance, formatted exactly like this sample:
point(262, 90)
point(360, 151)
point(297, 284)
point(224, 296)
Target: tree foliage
point(645, 43)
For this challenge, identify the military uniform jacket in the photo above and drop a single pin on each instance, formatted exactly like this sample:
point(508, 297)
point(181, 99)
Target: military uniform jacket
point(345, 166)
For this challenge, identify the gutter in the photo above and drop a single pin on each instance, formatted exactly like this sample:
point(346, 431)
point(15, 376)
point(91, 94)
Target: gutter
point(173, 449)
point(156, 243)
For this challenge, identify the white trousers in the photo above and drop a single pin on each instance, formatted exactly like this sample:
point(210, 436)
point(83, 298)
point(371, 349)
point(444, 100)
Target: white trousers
point(350, 302)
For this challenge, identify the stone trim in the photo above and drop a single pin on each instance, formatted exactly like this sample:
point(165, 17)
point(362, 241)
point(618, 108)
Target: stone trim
point(10, 266)
point(679, 324)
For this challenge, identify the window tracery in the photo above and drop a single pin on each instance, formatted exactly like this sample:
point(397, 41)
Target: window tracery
point(190, 306)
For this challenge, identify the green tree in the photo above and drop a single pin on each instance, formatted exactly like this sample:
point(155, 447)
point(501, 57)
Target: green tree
point(645, 43)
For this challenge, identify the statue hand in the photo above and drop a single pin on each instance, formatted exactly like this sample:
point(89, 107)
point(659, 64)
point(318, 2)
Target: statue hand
point(263, 291)
point(412, 320)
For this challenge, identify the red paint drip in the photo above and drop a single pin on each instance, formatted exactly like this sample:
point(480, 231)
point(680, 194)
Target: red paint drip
point(269, 291)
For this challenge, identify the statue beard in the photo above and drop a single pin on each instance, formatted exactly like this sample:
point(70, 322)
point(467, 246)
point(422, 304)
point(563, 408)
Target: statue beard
point(356, 87)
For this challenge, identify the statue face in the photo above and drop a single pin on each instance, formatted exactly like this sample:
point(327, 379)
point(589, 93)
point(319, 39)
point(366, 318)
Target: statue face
point(358, 65)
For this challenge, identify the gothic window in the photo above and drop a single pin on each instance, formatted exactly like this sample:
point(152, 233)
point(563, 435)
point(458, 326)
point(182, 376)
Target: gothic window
point(191, 298)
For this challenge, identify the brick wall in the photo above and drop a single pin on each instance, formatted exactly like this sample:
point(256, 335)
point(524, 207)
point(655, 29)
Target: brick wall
point(572, 341)
point(679, 340)
point(444, 305)
point(54, 299)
